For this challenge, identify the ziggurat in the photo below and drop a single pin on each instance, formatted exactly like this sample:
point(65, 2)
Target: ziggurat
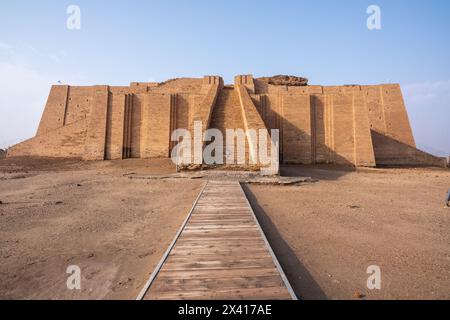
point(343, 125)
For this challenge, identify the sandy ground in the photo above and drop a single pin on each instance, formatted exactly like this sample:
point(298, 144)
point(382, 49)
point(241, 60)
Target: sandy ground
point(328, 233)
point(60, 213)
point(57, 214)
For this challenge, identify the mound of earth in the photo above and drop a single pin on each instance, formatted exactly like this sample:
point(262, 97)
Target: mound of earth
point(284, 80)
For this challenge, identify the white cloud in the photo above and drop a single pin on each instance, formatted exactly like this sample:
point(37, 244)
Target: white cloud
point(428, 107)
point(23, 93)
point(427, 91)
point(54, 57)
point(23, 90)
point(5, 46)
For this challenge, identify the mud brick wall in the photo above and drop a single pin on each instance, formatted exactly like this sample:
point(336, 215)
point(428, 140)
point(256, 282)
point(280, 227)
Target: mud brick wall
point(55, 109)
point(387, 112)
point(159, 119)
point(350, 125)
point(391, 152)
point(137, 124)
point(364, 154)
point(252, 121)
point(96, 129)
point(320, 128)
point(321, 131)
point(202, 109)
point(182, 105)
point(78, 104)
point(296, 127)
point(127, 125)
point(115, 127)
point(246, 81)
point(343, 129)
point(64, 142)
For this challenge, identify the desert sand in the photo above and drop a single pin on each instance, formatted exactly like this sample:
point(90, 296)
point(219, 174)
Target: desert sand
point(87, 214)
point(57, 213)
point(328, 233)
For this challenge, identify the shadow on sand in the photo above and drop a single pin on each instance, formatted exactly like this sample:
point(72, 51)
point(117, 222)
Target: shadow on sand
point(303, 284)
point(317, 172)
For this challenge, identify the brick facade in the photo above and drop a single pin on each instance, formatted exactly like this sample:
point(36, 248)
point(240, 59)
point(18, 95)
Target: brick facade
point(347, 125)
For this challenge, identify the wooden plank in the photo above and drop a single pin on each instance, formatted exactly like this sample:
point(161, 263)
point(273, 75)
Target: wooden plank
point(216, 274)
point(220, 253)
point(170, 285)
point(267, 293)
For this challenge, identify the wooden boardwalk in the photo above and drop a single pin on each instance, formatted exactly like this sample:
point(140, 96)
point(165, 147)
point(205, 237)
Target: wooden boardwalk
point(220, 252)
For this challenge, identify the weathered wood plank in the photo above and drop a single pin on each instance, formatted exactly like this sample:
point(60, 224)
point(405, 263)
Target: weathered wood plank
point(218, 274)
point(268, 293)
point(188, 285)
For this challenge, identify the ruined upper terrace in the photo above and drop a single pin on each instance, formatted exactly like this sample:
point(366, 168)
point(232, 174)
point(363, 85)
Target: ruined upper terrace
point(254, 85)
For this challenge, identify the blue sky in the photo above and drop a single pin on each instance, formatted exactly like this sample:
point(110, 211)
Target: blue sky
point(326, 41)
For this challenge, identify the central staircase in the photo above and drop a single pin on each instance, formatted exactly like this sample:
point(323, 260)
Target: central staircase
point(227, 114)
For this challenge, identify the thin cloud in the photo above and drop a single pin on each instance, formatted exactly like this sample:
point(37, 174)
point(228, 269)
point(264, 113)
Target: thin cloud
point(23, 93)
point(428, 106)
point(24, 90)
point(5, 46)
point(427, 91)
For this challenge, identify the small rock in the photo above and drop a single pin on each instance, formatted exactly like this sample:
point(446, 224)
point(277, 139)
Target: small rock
point(358, 295)
point(79, 185)
point(354, 207)
point(91, 255)
point(59, 202)
point(1, 202)
point(144, 255)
